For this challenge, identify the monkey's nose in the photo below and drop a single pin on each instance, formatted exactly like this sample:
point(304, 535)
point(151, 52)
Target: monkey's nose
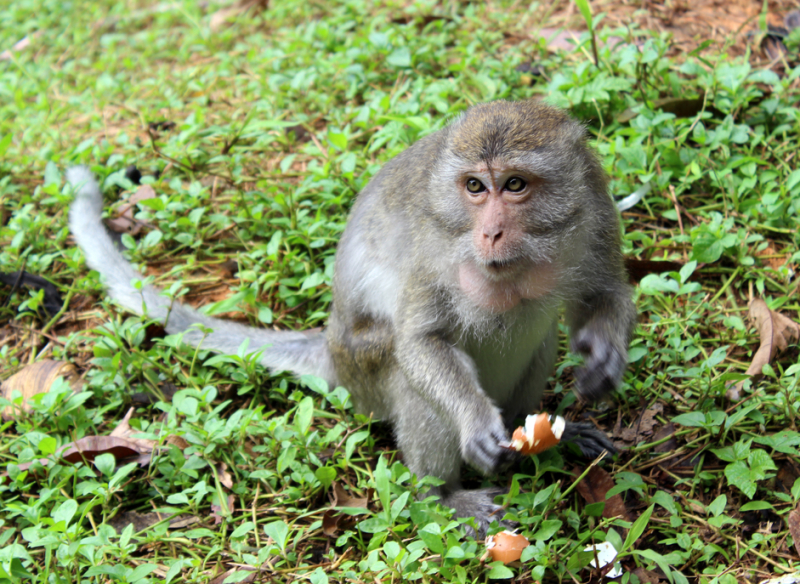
point(493, 235)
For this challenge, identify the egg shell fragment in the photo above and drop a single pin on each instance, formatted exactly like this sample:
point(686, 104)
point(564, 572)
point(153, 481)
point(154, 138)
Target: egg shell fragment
point(506, 546)
point(538, 434)
point(605, 553)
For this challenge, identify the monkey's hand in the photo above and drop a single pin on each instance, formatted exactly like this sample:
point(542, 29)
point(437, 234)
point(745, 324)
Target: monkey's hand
point(587, 438)
point(481, 435)
point(604, 361)
point(480, 505)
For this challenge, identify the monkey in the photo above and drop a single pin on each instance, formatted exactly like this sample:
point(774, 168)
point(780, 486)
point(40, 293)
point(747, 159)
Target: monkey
point(448, 283)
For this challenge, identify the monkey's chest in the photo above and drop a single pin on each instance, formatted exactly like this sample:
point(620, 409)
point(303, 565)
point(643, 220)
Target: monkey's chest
point(506, 356)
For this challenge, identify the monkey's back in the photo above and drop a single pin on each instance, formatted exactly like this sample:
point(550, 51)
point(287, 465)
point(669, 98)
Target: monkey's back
point(369, 274)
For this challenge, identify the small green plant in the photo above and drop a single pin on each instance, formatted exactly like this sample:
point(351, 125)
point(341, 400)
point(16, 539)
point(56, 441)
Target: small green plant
point(256, 136)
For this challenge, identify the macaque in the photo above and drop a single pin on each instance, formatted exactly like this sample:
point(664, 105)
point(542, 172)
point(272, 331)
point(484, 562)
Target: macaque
point(448, 282)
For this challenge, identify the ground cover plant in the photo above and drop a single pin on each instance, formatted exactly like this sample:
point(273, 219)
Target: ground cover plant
point(138, 459)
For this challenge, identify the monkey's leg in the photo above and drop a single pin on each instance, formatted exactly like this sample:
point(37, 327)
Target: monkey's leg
point(430, 446)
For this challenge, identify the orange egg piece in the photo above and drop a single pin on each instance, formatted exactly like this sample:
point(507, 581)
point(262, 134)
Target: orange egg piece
point(537, 435)
point(519, 436)
point(506, 546)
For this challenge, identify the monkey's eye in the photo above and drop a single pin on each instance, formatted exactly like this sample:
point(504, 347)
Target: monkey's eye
point(475, 186)
point(515, 184)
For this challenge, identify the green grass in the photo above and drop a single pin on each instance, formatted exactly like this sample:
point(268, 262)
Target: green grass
point(279, 120)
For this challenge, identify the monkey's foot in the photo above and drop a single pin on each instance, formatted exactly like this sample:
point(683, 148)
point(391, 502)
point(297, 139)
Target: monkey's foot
point(479, 504)
point(588, 439)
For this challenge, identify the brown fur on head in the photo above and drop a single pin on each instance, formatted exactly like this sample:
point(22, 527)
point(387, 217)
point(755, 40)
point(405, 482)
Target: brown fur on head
point(508, 129)
point(506, 189)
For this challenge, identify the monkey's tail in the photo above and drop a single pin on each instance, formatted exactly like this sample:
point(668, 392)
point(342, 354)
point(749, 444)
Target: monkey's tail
point(298, 352)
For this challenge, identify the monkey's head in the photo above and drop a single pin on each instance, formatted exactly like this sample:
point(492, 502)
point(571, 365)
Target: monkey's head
point(510, 187)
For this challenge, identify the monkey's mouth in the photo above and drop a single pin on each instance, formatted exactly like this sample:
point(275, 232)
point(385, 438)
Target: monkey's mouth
point(502, 267)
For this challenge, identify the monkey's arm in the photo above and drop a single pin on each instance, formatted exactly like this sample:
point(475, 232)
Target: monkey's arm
point(445, 377)
point(601, 327)
point(601, 315)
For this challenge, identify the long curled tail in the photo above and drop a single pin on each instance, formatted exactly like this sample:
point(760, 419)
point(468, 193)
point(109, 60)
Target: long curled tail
point(298, 352)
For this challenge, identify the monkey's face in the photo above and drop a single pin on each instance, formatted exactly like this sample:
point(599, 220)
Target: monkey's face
point(515, 228)
point(496, 198)
point(514, 219)
point(510, 190)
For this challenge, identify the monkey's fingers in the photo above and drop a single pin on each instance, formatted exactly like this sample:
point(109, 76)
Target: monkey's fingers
point(480, 505)
point(603, 366)
point(589, 440)
point(508, 458)
point(481, 445)
point(484, 453)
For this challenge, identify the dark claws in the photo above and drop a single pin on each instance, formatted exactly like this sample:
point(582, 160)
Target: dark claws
point(589, 440)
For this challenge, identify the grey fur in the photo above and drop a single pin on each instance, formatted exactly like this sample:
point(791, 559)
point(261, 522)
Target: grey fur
point(431, 328)
point(300, 353)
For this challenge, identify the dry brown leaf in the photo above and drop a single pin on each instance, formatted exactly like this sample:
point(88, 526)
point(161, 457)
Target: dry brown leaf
point(594, 489)
point(668, 445)
point(143, 459)
point(788, 473)
point(332, 519)
point(223, 14)
point(181, 522)
point(330, 522)
point(342, 498)
point(218, 514)
point(36, 378)
point(124, 222)
point(646, 576)
point(24, 467)
point(140, 521)
point(644, 425)
point(224, 476)
point(774, 48)
point(89, 447)
point(177, 441)
point(124, 430)
point(775, 332)
point(648, 420)
point(694, 505)
point(793, 522)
